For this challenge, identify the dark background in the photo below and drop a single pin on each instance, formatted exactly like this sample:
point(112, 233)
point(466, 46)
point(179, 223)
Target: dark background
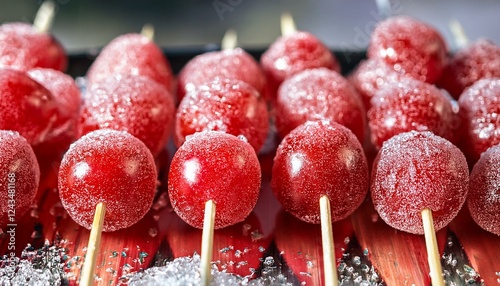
point(341, 24)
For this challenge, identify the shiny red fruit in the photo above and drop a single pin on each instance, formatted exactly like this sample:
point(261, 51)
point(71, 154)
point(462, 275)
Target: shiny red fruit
point(484, 195)
point(317, 94)
point(226, 64)
point(417, 170)
point(130, 103)
point(132, 54)
point(27, 107)
point(410, 47)
point(479, 110)
point(23, 48)
point(315, 159)
point(112, 167)
point(479, 60)
point(19, 177)
point(409, 104)
point(68, 98)
point(292, 54)
point(214, 166)
point(227, 105)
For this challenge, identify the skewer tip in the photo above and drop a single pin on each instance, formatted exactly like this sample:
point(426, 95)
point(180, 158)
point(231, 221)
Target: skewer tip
point(287, 24)
point(230, 40)
point(45, 16)
point(148, 30)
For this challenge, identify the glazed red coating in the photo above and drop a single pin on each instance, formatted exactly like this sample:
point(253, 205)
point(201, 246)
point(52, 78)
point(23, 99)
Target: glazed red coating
point(315, 159)
point(111, 167)
point(132, 54)
point(483, 199)
point(23, 48)
point(214, 166)
point(68, 98)
point(479, 60)
point(294, 53)
point(135, 104)
point(229, 105)
point(19, 176)
point(417, 170)
point(410, 104)
point(27, 107)
point(226, 64)
point(319, 94)
point(370, 76)
point(479, 110)
point(410, 46)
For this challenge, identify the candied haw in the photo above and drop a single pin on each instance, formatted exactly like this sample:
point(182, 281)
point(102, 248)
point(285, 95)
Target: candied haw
point(410, 104)
point(483, 199)
point(479, 60)
point(214, 166)
point(19, 176)
point(370, 77)
point(27, 107)
point(23, 48)
point(410, 47)
point(292, 54)
point(226, 64)
point(132, 54)
point(112, 167)
point(315, 159)
point(479, 110)
point(417, 170)
point(135, 104)
point(319, 94)
point(229, 105)
point(68, 97)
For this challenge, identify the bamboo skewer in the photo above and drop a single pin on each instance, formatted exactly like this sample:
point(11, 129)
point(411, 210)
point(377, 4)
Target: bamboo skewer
point(148, 31)
point(432, 249)
point(207, 242)
point(87, 274)
point(330, 267)
point(287, 24)
point(45, 17)
point(230, 40)
point(459, 36)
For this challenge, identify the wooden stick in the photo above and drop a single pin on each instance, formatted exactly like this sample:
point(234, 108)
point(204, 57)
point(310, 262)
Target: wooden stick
point(287, 24)
point(330, 267)
point(87, 274)
point(432, 249)
point(45, 17)
point(459, 36)
point(207, 242)
point(230, 40)
point(384, 8)
point(148, 31)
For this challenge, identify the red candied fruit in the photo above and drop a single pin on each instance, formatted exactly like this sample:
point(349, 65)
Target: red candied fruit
point(292, 54)
point(410, 46)
point(132, 54)
point(112, 167)
point(417, 170)
point(412, 105)
point(479, 110)
point(130, 103)
point(27, 107)
point(22, 47)
point(319, 94)
point(19, 176)
point(231, 106)
point(214, 166)
point(479, 60)
point(68, 97)
point(484, 195)
point(226, 64)
point(315, 159)
point(370, 77)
